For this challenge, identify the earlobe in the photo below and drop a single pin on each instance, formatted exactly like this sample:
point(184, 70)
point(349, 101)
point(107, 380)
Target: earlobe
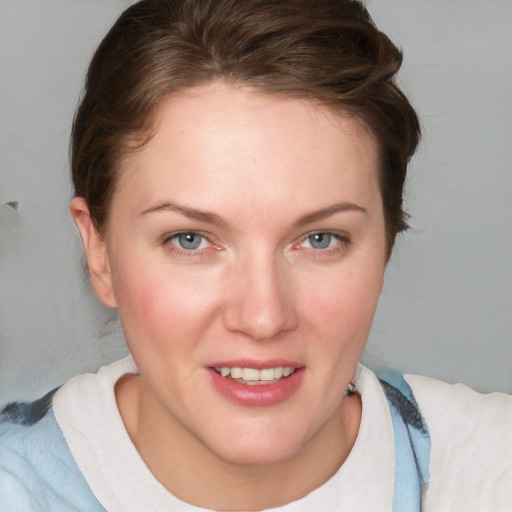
point(95, 251)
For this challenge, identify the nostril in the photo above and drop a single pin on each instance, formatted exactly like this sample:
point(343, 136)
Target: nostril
point(259, 325)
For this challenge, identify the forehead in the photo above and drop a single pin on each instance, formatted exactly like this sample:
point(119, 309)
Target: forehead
point(211, 140)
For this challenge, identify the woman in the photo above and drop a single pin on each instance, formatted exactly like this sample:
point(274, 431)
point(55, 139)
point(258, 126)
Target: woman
point(238, 171)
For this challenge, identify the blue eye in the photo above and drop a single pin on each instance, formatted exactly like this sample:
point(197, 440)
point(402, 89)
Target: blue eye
point(320, 240)
point(189, 241)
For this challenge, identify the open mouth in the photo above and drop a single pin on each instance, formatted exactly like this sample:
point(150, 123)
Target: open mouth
point(255, 377)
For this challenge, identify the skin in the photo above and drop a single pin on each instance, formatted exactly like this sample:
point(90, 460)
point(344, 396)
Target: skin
point(267, 171)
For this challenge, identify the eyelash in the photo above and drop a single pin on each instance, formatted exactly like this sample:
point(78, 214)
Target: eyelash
point(343, 241)
point(186, 253)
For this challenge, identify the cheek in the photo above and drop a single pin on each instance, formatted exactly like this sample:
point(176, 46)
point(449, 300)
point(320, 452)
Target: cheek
point(348, 297)
point(162, 308)
point(341, 310)
point(139, 304)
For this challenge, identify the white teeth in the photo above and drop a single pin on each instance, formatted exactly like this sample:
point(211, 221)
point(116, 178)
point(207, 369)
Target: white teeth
point(266, 374)
point(250, 374)
point(254, 375)
point(236, 373)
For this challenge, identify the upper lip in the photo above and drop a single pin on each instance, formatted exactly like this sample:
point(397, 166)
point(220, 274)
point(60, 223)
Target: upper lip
point(256, 364)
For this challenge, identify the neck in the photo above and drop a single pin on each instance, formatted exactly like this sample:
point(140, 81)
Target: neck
point(190, 471)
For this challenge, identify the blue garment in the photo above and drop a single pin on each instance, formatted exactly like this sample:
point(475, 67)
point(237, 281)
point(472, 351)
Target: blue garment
point(38, 472)
point(412, 443)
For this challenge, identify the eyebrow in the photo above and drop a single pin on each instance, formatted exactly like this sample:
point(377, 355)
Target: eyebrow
point(212, 218)
point(327, 212)
point(192, 213)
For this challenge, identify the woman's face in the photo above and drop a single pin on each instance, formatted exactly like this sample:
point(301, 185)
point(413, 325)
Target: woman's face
point(245, 241)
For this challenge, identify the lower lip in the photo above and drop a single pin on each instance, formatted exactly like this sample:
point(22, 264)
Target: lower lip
point(261, 395)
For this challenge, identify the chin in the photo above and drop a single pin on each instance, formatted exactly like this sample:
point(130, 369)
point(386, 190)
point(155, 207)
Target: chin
point(257, 455)
point(253, 446)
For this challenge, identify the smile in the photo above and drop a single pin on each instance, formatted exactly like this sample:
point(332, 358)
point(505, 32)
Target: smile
point(253, 376)
point(256, 387)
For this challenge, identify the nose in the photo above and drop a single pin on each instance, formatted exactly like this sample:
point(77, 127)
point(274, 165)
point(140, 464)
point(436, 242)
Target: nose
point(260, 302)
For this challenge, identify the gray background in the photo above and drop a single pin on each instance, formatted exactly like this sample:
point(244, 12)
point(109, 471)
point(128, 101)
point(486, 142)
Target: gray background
point(447, 303)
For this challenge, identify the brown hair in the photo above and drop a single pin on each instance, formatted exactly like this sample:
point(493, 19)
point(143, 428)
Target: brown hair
point(324, 49)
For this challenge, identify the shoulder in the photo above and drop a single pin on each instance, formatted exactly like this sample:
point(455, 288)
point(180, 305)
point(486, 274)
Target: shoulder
point(18, 466)
point(37, 471)
point(455, 410)
point(471, 435)
point(28, 436)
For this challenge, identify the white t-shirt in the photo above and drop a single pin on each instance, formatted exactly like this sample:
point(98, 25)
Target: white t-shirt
point(470, 467)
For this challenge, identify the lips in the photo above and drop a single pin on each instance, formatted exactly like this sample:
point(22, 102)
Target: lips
point(263, 386)
point(254, 376)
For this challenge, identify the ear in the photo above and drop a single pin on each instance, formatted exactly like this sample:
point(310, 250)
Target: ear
point(95, 252)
